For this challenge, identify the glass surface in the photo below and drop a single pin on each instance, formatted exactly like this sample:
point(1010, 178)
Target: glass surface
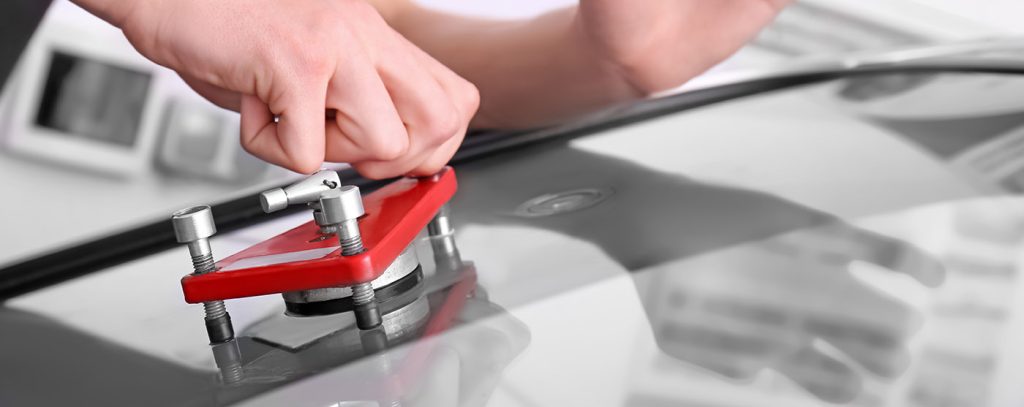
point(92, 99)
point(783, 250)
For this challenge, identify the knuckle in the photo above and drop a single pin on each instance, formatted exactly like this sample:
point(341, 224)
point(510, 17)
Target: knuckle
point(310, 62)
point(375, 172)
point(442, 126)
point(247, 146)
point(470, 99)
point(389, 150)
point(304, 165)
point(428, 169)
point(300, 48)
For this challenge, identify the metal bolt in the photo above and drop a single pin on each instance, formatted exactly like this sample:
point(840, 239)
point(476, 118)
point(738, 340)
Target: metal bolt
point(343, 207)
point(318, 217)
point(193, 226)
point(441, 224)
point(305, 191)
point(442, 241)
point(228, 359)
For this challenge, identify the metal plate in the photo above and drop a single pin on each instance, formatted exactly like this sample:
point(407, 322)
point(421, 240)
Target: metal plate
point(405, 263)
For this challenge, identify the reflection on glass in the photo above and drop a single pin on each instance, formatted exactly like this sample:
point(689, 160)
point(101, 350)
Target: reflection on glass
point(92, 99)
point(971, 316)
point(442, 343)
point(734, 281)
point(869, 88)
point(789, 303)
point(792, 304)
point(445, 324)
point(974, 121)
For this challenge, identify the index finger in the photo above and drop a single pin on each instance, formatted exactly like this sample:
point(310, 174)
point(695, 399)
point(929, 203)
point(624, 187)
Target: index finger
point(294, 138)
point(842, 243)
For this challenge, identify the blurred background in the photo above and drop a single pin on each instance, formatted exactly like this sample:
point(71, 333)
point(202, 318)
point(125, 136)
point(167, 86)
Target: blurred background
point(143, 149)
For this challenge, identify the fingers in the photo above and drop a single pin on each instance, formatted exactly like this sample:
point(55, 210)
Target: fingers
point(486, 349)
point(441, 386)
point(431, 111)
point(896, 255)
point(367, 126)
point(516, 334)
point(426, 111)
point(440, 157)
point(295, 140)
point(404, 113)
point(465, 100)
point(301, 128)
point(910, 259)
point(841, 243)
point(824, 376)
point(733, 348)
point(879, 350)
point(259, 132)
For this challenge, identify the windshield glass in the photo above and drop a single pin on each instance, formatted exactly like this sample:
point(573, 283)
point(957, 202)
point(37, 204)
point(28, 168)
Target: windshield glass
point(834, 243)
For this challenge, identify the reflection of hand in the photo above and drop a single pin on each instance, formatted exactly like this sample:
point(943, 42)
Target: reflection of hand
point(469, 361)
point(466, 362)
point(788, 303)
point(453, 365)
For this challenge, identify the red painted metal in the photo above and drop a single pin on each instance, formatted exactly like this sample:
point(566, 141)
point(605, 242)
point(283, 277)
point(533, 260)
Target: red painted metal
point(395, 214)
point(417, 360)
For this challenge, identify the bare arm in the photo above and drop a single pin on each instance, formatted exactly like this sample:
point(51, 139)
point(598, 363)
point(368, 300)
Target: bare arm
point(575, 60)
point(403, 80)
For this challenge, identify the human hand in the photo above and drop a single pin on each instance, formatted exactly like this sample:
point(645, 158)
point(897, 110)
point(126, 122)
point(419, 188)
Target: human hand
point(771, 304)
point(660, 44)
point(313, 81)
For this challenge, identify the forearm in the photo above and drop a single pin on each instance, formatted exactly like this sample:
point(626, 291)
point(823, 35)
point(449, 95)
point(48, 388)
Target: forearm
point(529, 73)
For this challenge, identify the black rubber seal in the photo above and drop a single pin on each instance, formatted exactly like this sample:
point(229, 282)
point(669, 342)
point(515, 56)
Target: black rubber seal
point(337, 306)
point(220, 329)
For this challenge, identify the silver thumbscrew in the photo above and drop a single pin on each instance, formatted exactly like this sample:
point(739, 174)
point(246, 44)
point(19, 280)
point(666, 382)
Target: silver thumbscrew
point(194, 226)
point(343, 207)
point(306, 191)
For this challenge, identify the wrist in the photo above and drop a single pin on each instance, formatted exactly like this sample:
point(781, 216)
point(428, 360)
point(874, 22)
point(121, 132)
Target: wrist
point(615, 72)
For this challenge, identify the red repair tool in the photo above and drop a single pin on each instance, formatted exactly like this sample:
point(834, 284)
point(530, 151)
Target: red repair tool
point(300, 259)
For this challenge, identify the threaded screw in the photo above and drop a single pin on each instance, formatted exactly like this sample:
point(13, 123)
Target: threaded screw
point(193, 226)
point(228, 358)
point(343, 207)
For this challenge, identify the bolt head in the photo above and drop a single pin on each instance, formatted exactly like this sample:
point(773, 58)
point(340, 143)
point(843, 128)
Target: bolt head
point(305, 191)
point(192, 224)
point(342, 204)
point(273, 200)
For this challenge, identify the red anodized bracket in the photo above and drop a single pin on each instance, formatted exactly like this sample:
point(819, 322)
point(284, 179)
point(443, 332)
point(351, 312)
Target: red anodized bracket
point(300, 259)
